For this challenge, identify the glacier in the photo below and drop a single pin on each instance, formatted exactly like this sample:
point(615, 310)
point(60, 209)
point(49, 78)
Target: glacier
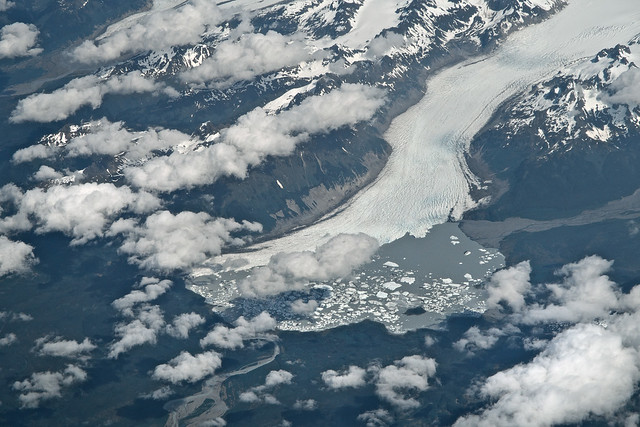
point(426, 180)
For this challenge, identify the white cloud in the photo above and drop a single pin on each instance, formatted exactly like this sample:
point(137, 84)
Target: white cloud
point(429, 341)
point(306, 405)
point(15, 317)
point(160, 394)
point(168, 242)
point(59, 347)
point(409, 373)
point(585, 294)
point(247, 57)
point(6, 4)
point(47, 385)
point(275, 378)
point(270, 399)
point(80, 92)
point(154, 31)
point(353, 377)
point(81, 211)
point(143, 330)
point(304, 308)
point(153, 288)
point(249, 397)
point(289, 271)
point(530, 344)
point(510, 285)
point(632, 420)
point(15, 257)
point(383, 44)
point(335, 258)
point(376, 418)
point(183, 323)
point(584, 371)
point(18, 39)
point(186, 367)
point(8, 339)
point(107, 138)
point(625, 89)
point(257, 135)
point(475, 339)
point(231, 338)
point(46, 173)
point(33, 152)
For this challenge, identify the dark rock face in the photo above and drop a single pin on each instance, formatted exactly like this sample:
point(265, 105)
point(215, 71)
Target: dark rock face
point(287, 192)
point(570, 144)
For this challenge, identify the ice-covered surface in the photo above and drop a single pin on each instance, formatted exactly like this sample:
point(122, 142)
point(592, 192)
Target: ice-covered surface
point(372, 17)
point(426, 179)
point(582, 104)
point(411, 284)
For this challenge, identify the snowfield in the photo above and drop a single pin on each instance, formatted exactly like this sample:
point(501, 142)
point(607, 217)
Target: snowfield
point(426, 178)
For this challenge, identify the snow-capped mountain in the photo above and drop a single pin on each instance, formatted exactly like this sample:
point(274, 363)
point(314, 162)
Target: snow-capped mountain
point(589, 103)
point(297, 51)
point(569, 143)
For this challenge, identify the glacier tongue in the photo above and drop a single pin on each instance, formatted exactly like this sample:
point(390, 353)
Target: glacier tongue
point(426, 179)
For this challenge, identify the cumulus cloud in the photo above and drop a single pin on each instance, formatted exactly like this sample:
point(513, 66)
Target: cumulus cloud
point(18, 39)
point(6, 4)
point(103, 137)
point(270, 399)
point(585, 294)
point(304, 308)
point(8, 339)
point(288, 271)
point(353, 377)
point(80, 92)
point(510, 286)
point(143, 330)
point(257, 135)
point(183, 323)
point(249, 397)
point(15, 257)
point(625, 89)
point(409, 373)
point(168, 242)
point(47, 385)
point(249, 56)
point(33, 152)
point(59, 347)
point(153, 288)
point(81, 211)
point(46, 173)
point(584, 371)
point(306, 405)
point(591, 368)
point(189, 368)
point(382, 44)
point(429, 341)
point(157, 30)
point(15, 317)
point(376, 418)
point(273, 379)
point(475, 339)
point(232, 338)
point(159, 394)
point(530, 344)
